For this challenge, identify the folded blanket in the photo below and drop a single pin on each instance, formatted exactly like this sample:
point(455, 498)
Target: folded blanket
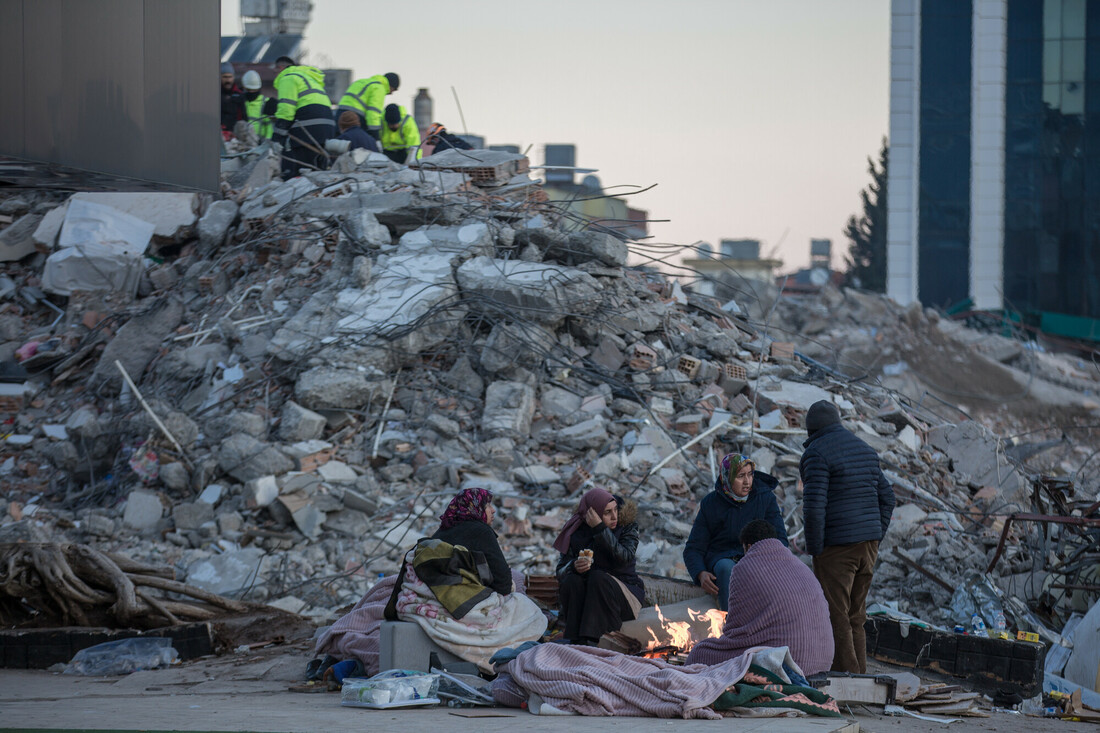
point(592, 681)
point(356, 634)
point(455, 574)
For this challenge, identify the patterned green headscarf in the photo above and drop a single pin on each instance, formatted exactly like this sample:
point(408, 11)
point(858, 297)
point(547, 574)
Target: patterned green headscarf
point(731, 465)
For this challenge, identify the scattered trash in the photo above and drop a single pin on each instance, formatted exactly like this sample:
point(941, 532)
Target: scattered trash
point(123, 656)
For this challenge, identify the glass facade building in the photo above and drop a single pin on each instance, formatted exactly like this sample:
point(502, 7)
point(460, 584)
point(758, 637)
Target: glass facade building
point(995, 154)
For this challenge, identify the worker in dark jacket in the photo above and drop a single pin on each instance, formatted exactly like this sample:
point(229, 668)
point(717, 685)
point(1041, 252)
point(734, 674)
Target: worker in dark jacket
point(232, 100)
point(351, 131)
point(598, 586)
point(303, 117)
point(741, 494)
point(437, 139)
point(846, 505)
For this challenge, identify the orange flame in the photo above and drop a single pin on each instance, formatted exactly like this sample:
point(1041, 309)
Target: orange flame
point(680, 633)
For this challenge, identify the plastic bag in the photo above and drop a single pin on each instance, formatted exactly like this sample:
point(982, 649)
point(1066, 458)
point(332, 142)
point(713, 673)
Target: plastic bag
point(124, 656)
point(392, 688)
point(976, 595)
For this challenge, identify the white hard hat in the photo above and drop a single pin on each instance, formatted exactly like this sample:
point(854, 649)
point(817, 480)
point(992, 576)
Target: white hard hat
point(251, 81)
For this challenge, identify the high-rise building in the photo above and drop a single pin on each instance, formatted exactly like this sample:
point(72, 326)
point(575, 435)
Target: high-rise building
point(994, 168)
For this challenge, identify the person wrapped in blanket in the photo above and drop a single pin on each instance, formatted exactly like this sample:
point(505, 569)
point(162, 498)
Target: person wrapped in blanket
point(774, 600)
point(457, 586)
point(598, 587)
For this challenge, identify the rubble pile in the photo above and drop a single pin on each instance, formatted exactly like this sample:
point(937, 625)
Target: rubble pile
point(293, 381)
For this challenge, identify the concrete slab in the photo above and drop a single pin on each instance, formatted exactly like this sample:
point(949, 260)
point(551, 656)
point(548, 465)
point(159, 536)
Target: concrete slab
point(173, 215)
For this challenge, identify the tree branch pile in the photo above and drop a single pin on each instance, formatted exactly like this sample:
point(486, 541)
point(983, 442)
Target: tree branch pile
point(49, 583)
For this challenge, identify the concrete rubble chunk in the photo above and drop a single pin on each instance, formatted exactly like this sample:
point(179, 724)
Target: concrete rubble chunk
point(17, 241)
point(45, 235)
point(214, 224)
point(515, 344)
point(227, 574)
point(297, 423)
point(192, 515)
point(540, 292)
point(137, 342)
point(173, 215)
point(337, 472)
point(408, 289)
point(175, 476)
point(974, 451)
point(143, 510)
point(591, 245)
point(536, 475)
point(460, 242)
point(584, 435)
point(330, 387)
point(556, 402)
point(245, 458)
point(260, 492)
point(509, 407)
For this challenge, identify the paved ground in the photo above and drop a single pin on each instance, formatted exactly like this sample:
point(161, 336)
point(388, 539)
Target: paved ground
point(249, 693)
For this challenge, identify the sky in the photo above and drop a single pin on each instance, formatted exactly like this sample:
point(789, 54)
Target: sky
point(755, 118)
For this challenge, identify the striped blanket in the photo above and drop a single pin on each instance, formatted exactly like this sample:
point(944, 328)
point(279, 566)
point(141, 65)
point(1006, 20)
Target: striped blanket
point(600, 682)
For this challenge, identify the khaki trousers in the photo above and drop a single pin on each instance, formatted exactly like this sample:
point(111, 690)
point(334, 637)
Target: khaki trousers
point(844, 572)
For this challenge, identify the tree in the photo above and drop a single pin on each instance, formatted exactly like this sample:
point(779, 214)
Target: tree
point(866, 234)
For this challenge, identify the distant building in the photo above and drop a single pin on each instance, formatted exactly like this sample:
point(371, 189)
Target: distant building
point(811, 279)
point(994, 172)
point(724, 276)
point(587, 198)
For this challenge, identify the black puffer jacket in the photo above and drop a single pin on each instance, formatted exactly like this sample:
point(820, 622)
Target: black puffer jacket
point(613, 550)
point(846, 498)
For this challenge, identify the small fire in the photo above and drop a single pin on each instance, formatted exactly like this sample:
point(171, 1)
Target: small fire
point(680, 633)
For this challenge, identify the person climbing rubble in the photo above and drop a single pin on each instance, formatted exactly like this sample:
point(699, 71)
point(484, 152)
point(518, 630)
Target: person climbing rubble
point(364, 97)
point(400, 135)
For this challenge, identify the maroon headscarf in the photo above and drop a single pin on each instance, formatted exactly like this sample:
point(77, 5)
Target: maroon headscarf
point(597, 499)
point(469, 505)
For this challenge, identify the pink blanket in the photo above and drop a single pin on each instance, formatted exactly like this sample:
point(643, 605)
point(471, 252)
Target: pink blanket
point(591, 681)
point(774, 600)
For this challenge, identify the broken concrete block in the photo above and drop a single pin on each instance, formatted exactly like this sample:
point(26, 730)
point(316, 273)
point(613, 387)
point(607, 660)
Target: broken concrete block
point(556, 402)
point(540, 292)
point(774, 420)
point(584, 435)
point(335, 472)
point(329, 387)
point(297, 423)
point(175, 476)
point(463, 378)
point(227, 574)
point(17, 241)
point(977, 458)
point(143, 510)
point(137, 342)
point(190, 515)
point(515, 344)
point(245, 458)
point(260, 492)
point(909, 438)
point(364, 228)
point(173, 215)
point(443, 425)
point(410, 289)
point(212, 494)
point(215, 223)
point(218, 428)
point(279, 195)
point(592, 245)
point(459, 242)
point(536, 475)
point(651, 447)
point(45, 235)
point(509, 407)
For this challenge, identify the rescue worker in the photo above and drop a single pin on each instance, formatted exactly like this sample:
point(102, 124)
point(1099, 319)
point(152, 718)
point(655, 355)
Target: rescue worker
point(303, 117)
point(365, 97)
point(232, 101)
point(254, 103)
point(437, 139)
point(400, 135)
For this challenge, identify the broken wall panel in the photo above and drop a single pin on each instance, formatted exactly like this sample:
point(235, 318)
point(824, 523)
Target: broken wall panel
point(126, 87)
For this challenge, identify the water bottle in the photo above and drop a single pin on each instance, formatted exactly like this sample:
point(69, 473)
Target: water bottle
point(999, 622)
point(978, 625)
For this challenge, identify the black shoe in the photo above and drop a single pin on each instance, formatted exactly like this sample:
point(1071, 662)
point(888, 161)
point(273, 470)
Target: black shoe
point(315, 670)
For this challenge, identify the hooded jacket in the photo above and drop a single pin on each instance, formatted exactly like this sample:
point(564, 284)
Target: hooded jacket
point(716, 533)
point(845, 496)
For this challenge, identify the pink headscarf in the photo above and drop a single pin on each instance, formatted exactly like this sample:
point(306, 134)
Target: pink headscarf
point(597, 499)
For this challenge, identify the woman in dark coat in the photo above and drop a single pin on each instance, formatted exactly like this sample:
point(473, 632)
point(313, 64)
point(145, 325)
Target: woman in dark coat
point(598, 587)
point(741, 494)
point(467, 522)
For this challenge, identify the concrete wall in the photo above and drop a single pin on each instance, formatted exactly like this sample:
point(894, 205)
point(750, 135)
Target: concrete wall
point(127, 87)
point(902, 213)
point(987, 154)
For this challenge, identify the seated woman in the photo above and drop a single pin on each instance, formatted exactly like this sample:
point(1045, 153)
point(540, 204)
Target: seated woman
point(498, 618)
point(597, 585)
point(741, 494)
point(457, 586)
point(774, 600)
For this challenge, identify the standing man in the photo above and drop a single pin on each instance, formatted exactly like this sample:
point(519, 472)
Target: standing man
point(232, 100)
point(303, 118)
point(254, 105)
point(846, 508)
point(400, 136)
point(365, 98)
